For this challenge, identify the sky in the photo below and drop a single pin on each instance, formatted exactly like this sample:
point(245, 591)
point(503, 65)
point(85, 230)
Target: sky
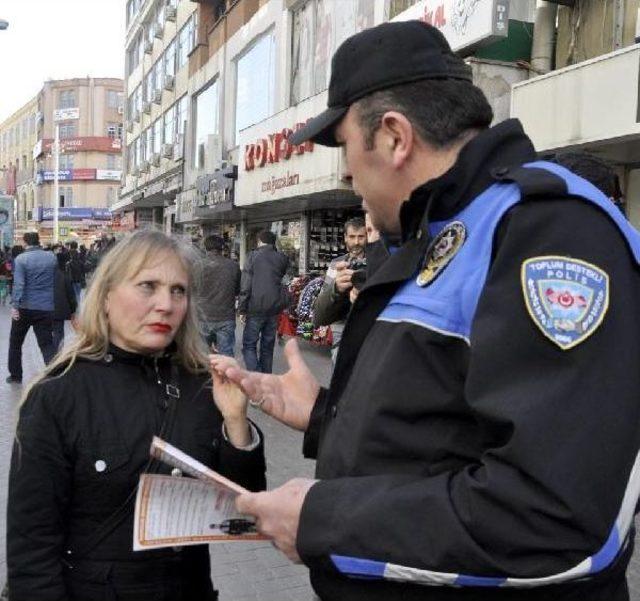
point(57, 39)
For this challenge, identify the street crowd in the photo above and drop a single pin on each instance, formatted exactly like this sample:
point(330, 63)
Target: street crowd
point(480, 436)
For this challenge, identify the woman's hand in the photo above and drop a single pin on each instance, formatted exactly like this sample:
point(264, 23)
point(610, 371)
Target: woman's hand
point(230, 400)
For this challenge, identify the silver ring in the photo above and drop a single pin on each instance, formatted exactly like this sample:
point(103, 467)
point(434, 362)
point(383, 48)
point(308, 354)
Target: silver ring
point(256, 403)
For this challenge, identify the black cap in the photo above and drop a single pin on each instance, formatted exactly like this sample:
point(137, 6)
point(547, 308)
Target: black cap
point(376, 59)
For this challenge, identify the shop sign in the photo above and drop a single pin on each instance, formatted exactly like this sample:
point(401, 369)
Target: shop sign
point(273, 147)
point(83, 174)
point(64, 175)
point(66, 114)
point(186, 206)
point(109, 174)
point(215, 188)
point(74, 214)
point(90, 143)
point(467, 24)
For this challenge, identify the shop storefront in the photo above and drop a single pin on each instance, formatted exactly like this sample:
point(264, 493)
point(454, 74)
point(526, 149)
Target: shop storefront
point(297, 192)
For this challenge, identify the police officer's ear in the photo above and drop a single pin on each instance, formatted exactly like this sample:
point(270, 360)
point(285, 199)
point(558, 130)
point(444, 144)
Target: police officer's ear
point(397, 137)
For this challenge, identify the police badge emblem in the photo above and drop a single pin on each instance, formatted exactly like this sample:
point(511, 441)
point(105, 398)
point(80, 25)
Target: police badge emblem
point(566, 298)
point(442, 249)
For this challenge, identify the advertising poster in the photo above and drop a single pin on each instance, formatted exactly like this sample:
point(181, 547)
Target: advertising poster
point(6, 221)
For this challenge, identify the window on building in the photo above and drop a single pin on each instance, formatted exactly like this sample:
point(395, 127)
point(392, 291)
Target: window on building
point(181, 116)
point(32, 124)
point(113, 99)
point(111, 161)
point(114, 131)
point(157, 135)
point(169, 126)
point(255, 82)
point(135, 101)
point(66, 162)
point(206, 123)
point(66, 196)
point(67, 99)
point(147, 144)
point(310, 50)
point(170, 59)
point(67, 130)
point(186, 41)
point(158, 75)
point(111, 196)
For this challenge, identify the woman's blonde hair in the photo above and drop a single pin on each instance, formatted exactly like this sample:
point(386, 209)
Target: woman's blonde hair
point(123, 262)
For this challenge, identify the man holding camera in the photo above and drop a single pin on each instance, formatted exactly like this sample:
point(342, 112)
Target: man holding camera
point(332, 304)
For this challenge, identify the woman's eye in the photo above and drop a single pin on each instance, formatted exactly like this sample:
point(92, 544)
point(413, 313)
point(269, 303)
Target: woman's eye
point(146, 286)
point(178, 291)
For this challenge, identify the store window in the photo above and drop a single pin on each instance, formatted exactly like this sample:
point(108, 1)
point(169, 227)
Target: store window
point(206, 124)
point(66, 197)
point(326, 236)
point(255, 85)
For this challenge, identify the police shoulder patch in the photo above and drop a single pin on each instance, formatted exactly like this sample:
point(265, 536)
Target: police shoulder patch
point(566, 298)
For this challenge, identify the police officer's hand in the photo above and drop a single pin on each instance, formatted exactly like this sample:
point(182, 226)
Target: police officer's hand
point(277, 513)
point(288, 397)
point(343, 277)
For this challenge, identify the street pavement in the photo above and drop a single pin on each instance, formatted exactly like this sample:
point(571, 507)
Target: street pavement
point(241, 571)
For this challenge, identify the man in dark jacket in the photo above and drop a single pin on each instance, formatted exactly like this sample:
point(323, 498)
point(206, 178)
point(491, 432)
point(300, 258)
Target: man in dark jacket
point(262, 297)
point(221, 286)
point(32, 301)
point(76, 270)
point(481, 433)
point(64, 299)
point(332, 305)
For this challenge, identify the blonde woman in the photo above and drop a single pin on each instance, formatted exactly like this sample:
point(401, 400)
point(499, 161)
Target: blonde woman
point(135, 369)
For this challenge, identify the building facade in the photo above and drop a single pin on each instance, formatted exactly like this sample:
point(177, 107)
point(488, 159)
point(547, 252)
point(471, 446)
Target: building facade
point(207, 153)
point(589, 100)
point(88, 115)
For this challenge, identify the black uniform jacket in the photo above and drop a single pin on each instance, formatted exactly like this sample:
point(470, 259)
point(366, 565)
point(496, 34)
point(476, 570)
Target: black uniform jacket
point(502, 457)
point(82, 441)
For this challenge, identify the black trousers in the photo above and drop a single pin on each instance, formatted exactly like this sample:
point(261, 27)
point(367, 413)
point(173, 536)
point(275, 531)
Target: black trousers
point(42, 323)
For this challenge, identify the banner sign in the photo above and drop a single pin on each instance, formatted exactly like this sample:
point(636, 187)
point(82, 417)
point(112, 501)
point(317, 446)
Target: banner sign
point(6, 220)
point(110, 174)
point(74, 214)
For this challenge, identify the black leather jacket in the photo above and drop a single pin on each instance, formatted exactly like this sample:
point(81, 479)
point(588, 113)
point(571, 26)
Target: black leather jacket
point(107, 411)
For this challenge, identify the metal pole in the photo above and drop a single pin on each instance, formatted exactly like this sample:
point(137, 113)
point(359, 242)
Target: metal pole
point(56, 185)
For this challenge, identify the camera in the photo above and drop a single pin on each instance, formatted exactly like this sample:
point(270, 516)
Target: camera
point(359, 276)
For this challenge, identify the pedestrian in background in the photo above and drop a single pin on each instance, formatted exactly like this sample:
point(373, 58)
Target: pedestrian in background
point(262, 297)
point(137, 368)
point(76, 270)
point(220, 288)
point(332, 305)
point(65, 302)
point(32, 301)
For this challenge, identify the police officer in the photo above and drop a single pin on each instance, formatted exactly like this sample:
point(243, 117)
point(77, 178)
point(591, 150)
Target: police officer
point(479, 439)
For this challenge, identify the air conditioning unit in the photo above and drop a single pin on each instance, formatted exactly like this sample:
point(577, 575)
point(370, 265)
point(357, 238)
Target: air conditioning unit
point(169, 82)
point(167, 151)
point(157, 96)
point(146, 107)
point(144, 167)
point(170, 13)
point(155, 159)
point(120, 110)
point(158, 30)
point(148, 46)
